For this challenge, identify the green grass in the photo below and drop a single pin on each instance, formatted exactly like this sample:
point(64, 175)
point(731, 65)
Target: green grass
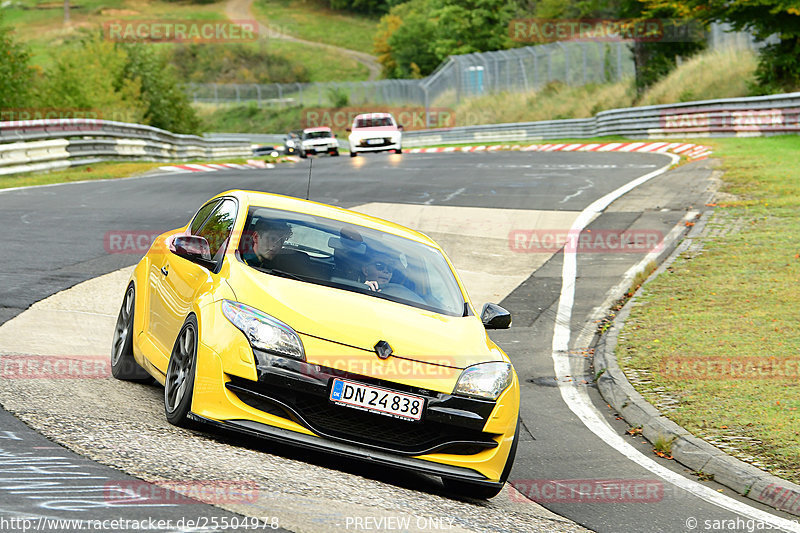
point(42, 30)
point(736, 300)
point(322, 64)
point(91, 172)
point(102, 171)
point(711, 74)
point(313, 20)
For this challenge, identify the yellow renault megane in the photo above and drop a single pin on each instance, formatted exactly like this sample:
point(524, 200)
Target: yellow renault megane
point(323, 328)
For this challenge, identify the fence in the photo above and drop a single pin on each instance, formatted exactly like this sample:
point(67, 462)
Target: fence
point(517, 69)
point(514, 70)
point(727, 117)
point(35, 145)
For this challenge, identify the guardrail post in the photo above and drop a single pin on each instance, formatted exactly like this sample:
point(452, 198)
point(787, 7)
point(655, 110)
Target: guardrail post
point(619, 61)
point(300, 92)
point(280, 94)
point(258, 94)
point(236, 87)
point(216, 94)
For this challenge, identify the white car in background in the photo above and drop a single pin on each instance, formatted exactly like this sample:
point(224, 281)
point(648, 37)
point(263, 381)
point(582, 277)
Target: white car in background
point(375, 132)
point(320, 140)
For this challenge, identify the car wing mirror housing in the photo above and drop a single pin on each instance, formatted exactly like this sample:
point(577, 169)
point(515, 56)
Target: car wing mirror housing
point(495, 317)
point(193, 248)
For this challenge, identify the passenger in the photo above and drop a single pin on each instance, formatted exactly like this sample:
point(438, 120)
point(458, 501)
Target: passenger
point(378, 270)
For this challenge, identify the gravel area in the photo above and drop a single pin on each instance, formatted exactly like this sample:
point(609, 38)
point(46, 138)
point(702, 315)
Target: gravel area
point(122, 425)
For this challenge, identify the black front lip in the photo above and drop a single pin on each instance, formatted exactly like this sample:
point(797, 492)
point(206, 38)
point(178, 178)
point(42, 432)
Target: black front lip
point(258, 429)
point(297, 415)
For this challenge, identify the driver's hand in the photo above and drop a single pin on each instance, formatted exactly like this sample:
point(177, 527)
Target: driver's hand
point(373, 285)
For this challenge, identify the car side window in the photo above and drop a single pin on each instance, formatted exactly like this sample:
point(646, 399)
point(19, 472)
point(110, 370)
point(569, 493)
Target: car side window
point(217, 228)
point(201, 216)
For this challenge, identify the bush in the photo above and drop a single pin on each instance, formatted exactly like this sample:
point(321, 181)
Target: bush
point(91, 76)
point(166, 103)
point(15, 73)
point(229, 63)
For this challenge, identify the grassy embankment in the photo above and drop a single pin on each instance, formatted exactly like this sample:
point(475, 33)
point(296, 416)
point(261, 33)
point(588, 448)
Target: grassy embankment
point(709, 75)
point(714, 341)
point(40, 26)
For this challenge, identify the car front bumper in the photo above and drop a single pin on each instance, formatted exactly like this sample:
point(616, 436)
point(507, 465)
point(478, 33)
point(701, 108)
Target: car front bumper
point(288, 402)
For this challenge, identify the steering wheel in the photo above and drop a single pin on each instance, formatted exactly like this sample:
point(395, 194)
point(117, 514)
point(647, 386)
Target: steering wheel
point(401, 291)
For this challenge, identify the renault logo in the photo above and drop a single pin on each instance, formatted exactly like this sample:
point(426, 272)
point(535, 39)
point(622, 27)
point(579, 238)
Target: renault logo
point(383, 349)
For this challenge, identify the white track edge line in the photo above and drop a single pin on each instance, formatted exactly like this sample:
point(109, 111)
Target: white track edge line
point(578, 400)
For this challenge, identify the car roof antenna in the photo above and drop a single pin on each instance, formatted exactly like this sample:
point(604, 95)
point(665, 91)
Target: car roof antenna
point(308, 189)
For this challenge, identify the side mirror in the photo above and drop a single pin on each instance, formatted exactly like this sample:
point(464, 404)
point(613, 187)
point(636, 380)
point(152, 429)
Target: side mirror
point(348, 129)
point(495, 317)
point(193, 248)
point(400, 127)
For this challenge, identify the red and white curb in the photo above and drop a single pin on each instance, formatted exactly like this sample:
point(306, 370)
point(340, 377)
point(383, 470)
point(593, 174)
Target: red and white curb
point(691, 151)
point(211, 167)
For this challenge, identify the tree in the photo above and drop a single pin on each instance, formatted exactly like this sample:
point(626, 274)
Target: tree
point(166, 103)
point(15, 73)
point(90, 76)
point(657, 58)
point(779, 63)
point(370, 7)
point(415, 37)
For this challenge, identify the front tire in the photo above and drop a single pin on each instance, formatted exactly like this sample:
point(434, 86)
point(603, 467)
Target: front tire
point(123, 365)
point(398, 151)
point(179, 382)
point(353, 153)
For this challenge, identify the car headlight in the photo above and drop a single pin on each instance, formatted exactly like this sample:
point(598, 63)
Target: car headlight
point(485, 380)
point(264, 332)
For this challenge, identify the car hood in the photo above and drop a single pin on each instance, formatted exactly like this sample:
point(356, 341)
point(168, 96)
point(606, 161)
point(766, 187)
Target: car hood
point(361, 321)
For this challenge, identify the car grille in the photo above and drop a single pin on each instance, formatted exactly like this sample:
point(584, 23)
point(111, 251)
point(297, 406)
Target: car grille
point(369, 429)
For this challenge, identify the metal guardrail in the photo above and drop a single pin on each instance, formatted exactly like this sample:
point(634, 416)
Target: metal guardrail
point(35, 145)
point(728, 117)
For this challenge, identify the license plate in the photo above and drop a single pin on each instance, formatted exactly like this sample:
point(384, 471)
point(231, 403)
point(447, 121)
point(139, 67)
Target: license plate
point(377, 400)
point(374, 141)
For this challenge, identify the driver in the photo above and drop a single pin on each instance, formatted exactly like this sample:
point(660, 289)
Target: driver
point(378, 270)
point(266, 242)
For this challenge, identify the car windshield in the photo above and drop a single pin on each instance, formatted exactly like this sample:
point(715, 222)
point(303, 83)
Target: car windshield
point(344, 256)
point(374, 122)
point(316, 134)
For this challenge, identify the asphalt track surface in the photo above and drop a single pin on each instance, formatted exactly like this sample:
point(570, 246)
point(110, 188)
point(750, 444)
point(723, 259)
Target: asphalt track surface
point(53, 238)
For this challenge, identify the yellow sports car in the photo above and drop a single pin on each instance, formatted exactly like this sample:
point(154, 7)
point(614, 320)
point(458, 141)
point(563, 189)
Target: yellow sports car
point(323, 328)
